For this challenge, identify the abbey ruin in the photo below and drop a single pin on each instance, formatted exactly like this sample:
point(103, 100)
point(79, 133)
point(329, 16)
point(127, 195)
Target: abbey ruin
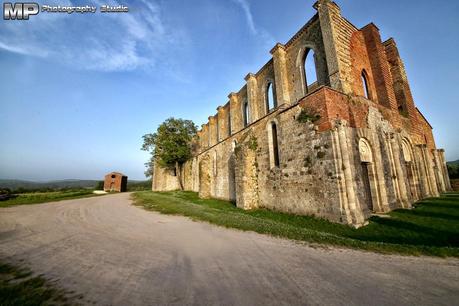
point(347, 145)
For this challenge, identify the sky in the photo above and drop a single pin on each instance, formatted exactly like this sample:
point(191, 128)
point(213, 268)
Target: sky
point(78, 91)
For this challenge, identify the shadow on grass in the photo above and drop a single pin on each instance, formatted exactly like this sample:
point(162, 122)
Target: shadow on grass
point(428, 214)
point(403, 232)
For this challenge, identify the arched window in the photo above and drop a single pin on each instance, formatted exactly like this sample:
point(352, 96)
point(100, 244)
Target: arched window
point(270, 97)
point(246, 113)
point(365, 84)
point(274, 146)
point(309, 69)
point(369, 179)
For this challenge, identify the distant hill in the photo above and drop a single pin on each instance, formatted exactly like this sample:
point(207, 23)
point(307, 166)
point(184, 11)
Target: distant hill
point(133, 185)
point(453, 163)
point(71, 183)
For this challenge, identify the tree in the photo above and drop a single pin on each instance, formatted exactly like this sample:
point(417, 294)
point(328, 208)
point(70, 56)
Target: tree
point(99, 185)
point(171, 145)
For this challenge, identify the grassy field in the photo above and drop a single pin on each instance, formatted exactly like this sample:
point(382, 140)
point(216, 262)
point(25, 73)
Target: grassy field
point(43, 197)
point(19, 287)
point(432, 228)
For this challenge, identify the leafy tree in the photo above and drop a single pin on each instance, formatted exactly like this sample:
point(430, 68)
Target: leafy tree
point(171, 145)
point(99, 185)
point(453, 171)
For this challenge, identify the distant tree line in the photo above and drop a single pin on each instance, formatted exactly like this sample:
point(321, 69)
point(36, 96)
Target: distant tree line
point(32, 190)
point(131, 185)
point(453, 171)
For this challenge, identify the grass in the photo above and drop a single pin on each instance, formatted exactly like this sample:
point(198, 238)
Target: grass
point(432, 228)
point(43, 197)
point(19, 287)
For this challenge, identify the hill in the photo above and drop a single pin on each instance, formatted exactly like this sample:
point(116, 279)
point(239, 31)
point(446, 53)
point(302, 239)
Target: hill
point(133, 185)
point(58, 184)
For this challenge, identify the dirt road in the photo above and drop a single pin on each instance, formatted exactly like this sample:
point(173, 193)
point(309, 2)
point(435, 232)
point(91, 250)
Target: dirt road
point(117, 254)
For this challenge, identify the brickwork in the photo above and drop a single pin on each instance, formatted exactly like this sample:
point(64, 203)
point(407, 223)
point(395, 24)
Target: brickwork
point(327, 149)
point(115, 181)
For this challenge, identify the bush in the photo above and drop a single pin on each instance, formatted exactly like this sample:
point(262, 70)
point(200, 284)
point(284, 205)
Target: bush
point(453, 171)
point(307, 116)
point(99, 185)
point(139, 186)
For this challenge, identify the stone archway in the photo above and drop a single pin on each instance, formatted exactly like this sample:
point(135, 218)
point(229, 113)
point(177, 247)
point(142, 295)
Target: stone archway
point(370, 187)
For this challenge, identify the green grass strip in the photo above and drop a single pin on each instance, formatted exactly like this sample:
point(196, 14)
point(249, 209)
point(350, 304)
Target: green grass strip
point(431, 228)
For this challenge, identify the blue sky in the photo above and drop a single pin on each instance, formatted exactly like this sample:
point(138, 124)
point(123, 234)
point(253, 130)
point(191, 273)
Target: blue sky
point(79, 91)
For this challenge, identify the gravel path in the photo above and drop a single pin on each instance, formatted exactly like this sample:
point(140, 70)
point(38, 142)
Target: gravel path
point(117, 254)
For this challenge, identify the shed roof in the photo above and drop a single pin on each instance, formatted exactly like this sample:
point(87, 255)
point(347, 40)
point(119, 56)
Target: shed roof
point(116, 173)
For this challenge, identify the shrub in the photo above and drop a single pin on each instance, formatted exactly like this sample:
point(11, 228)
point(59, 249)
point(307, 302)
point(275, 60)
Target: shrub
point(307, 116)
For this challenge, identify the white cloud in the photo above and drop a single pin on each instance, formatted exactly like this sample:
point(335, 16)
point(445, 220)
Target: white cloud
point(255, 30)
point(104, 42)
point(248, 15)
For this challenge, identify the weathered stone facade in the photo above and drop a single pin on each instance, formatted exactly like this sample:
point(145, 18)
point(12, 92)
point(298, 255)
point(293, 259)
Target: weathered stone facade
point(350, 144)
point(115, 181)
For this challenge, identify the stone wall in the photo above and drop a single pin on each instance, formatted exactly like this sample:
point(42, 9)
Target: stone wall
point(325, 149)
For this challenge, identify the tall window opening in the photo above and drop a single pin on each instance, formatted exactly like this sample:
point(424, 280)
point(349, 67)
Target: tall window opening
point(369, 181)
point(309, 69)
point(275, 145)
point(270, 97)
point(229, 124)
point(366, 88)
point(246, 113)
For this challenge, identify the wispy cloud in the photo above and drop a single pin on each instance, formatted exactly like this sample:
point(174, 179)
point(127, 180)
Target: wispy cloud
point(105, 42)
point(248, 15)
point(255, 30)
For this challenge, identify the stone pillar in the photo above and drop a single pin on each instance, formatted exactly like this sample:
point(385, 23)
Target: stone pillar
point(205, 177)
point(400, 83)
point(441, 155)
point(378, 61)
point(246, 178)
point(430, 172)
point(400, 177)
point(438, 171)
point(213, 131)
point(380, 176)
point(336, 44)
point(356, 212)
point(195, 174)
point(423, 175)
point(236, 113)
point(252, 96)
point(199, 142)
point(427, 178)
point(338, 161)
point(223, 122)
point(204, 137)
point(280, 74)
